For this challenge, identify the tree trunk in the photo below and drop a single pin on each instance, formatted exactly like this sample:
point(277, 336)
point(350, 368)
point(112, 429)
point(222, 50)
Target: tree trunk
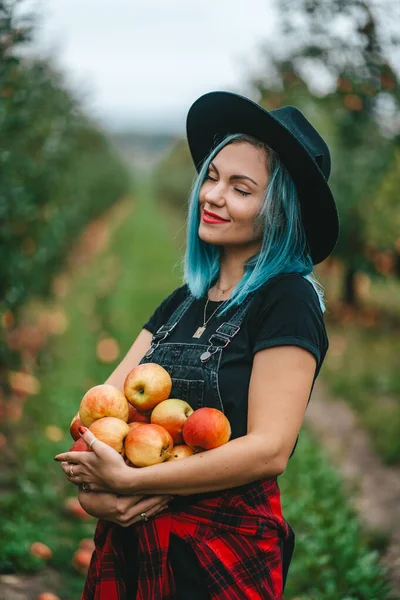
point(349, 288)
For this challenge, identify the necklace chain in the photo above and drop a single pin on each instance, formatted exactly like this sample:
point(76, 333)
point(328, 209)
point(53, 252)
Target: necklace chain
point(200, 330)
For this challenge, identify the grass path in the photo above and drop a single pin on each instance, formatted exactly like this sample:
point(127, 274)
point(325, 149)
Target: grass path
point(107, 302)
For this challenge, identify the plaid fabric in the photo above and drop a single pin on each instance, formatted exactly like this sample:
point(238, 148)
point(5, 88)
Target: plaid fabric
point(236, 536)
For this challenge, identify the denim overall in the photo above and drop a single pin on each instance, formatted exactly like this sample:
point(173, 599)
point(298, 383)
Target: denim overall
point(194, 367)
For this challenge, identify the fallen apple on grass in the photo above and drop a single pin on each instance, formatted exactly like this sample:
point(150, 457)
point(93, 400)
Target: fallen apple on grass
point(147, 385)
point(111, 431)
point(40, 550)
point(73, 507)
point(81, 560)
point(172, 415)
point(148, 445)
point(103, 401)
point(205, 429)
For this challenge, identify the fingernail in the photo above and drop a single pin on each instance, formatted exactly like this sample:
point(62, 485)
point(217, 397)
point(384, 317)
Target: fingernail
point(82, 429)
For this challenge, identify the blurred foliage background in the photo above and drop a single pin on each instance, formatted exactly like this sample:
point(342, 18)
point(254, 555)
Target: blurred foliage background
point(83, 263)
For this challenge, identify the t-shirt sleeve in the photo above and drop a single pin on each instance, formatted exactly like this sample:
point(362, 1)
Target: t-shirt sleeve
point(162, 313)
point(291, 316)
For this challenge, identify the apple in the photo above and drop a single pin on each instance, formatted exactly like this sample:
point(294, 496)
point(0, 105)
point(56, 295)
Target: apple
point(81, 560)
point(87, 544)
point(73, 428)
point(172, 414)
point(206, 428)
point(41, 551)
point(134, 424)
point(111, 431)
point(73, 506)
point(48, 596)
point(80, 446)
point(103, 401)
point(137, 416)
point(181, 451)
point(147, 385)
point(148, 445)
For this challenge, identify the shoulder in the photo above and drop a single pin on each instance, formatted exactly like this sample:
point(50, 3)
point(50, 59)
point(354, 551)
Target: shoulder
point(166, 308)
point(289, 288)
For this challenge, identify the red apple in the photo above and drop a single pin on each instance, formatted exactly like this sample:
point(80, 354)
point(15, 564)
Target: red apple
point(80, 446)
point(111, 431)
point(41, 551)
point(103, 401)
point(148, 445)
point(206, 428)
point(87, 544)
point(181, 451)
point(137, 416)
point(147, 385)
point(172, 414)
point(73, 428)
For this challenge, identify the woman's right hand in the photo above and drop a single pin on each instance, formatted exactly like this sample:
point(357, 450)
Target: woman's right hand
point(121, 510)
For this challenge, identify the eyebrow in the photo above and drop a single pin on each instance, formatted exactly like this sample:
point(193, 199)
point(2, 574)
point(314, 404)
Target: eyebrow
point(235, 176)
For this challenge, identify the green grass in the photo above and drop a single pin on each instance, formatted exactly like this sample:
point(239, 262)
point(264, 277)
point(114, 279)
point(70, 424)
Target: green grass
point(113, 297)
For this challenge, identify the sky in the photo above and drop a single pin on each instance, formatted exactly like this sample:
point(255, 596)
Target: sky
point(143, 62)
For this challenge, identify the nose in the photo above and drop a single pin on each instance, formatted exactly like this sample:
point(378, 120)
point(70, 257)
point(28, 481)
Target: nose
point(215, 194)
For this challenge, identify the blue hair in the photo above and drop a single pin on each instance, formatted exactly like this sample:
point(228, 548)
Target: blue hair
point(284, 246)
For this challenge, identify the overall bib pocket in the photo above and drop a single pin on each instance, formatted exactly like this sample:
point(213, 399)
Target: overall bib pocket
point(189, 390)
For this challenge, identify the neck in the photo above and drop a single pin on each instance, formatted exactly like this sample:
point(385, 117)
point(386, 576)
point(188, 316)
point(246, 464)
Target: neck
point(232, 265)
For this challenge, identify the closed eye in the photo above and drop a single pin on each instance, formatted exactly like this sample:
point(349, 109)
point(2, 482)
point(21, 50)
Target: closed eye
point(241, 192)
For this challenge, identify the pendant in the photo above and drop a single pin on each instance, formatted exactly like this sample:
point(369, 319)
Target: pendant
point(199, 331)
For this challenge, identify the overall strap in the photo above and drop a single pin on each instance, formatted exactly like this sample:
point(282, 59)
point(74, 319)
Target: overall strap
point(227, 330)
point(165, 330)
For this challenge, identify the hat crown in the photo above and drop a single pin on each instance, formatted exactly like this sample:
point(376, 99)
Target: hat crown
point(294, 121)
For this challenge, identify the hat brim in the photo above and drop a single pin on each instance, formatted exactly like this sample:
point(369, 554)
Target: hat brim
point(217, 114)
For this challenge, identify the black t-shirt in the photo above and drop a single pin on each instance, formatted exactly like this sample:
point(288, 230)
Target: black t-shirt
point(284, 311)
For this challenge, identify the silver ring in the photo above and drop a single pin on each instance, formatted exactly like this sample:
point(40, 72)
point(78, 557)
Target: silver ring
point(71, 471)
point(92, 442)
point(85, 487)
point(144, 517)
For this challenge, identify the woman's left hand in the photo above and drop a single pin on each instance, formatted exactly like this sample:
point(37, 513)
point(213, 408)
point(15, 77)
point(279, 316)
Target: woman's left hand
point(101, 470)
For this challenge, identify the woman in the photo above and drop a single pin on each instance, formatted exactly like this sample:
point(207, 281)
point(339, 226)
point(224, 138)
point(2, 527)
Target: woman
point(244, 334)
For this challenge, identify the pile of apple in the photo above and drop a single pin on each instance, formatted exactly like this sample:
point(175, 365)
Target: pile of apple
point(144, 424)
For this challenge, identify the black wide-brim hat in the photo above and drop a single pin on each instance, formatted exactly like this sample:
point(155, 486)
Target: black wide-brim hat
point(299, 146)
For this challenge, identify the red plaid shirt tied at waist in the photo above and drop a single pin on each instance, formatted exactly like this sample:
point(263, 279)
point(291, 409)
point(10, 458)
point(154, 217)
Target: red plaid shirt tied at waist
point(236, 536)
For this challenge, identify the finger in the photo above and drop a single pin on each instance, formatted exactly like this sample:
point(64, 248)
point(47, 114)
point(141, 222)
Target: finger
point(151, 512)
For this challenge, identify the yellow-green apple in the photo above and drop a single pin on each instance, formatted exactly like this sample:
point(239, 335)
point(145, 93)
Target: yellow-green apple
point(80, 446)
point(147, 385)
point(206, 428)
point(172, 414)
point(137, 416)
point(73, 428)
point(181, 451)
point(111, 431)
point(148, 445)
point(103, 401)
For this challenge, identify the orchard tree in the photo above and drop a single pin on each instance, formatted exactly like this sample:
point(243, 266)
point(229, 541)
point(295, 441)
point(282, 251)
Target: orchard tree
point(334, 65)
